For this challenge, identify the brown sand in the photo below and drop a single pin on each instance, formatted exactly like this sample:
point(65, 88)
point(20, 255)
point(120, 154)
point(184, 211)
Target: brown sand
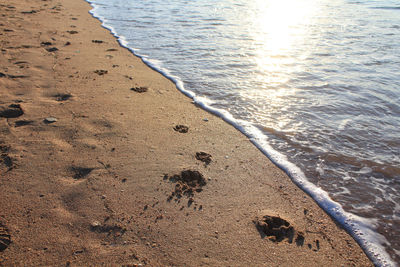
point(93, 172)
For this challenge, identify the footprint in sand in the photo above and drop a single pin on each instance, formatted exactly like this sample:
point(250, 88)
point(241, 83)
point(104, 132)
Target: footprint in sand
point(101, 72)
point(14, 76)
point(5, 237)
point(181, 128)
point(51, 49)
point(23, 123)
point(204, 157)
point(45, 43)
point(22, 64)
point(278, 229)
point(113, 230)
point(62, 97)
point(317, 245)
point(3, 75)
point(80, 172)
point(6, 161)
point(140, 89)
point(11, 111)
point(187, 183)
point(29, 12)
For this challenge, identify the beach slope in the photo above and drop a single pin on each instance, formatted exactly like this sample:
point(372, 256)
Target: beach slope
point(104, 162)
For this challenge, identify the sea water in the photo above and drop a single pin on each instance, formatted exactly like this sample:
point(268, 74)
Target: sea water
point(315, 84)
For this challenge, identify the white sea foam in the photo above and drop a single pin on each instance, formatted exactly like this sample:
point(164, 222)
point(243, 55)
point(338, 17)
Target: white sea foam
point(363, 230)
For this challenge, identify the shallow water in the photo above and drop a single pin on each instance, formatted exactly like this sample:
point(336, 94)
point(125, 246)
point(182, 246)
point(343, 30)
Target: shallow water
point(314, 83)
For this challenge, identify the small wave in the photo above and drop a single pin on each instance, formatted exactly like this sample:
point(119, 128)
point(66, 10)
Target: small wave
point(386, 7)
point(377, 63)
point(324, 54)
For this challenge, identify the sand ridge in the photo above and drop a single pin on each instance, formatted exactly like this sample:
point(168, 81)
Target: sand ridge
point(93, 144)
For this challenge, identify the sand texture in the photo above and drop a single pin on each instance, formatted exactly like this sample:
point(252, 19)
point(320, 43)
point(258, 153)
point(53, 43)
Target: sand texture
point(104, 162)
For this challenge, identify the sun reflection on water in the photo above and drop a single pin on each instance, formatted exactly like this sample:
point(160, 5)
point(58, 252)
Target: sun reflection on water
point(278, 26)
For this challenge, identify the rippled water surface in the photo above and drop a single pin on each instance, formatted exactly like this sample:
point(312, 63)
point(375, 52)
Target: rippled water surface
point(319, 80)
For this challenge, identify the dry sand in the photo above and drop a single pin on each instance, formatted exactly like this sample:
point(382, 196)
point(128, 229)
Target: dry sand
point(94, 173)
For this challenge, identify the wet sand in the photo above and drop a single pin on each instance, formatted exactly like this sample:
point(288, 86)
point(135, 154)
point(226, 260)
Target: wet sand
point(104, 162)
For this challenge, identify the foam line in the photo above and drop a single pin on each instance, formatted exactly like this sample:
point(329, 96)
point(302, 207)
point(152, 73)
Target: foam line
point(361, 229)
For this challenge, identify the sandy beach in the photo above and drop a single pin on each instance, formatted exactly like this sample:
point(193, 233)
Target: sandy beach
point(104, 162)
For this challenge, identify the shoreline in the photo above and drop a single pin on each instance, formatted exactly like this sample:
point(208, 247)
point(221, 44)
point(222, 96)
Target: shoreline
point(357, 227)
point(68, 178)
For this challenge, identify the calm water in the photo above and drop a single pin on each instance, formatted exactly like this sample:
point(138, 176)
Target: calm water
point(314, 83)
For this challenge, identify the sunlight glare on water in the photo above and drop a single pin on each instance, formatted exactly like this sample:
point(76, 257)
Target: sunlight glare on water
point(276, 29)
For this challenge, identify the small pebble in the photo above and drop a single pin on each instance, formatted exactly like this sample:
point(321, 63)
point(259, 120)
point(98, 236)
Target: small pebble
point(50, 120)
point(95, 224)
